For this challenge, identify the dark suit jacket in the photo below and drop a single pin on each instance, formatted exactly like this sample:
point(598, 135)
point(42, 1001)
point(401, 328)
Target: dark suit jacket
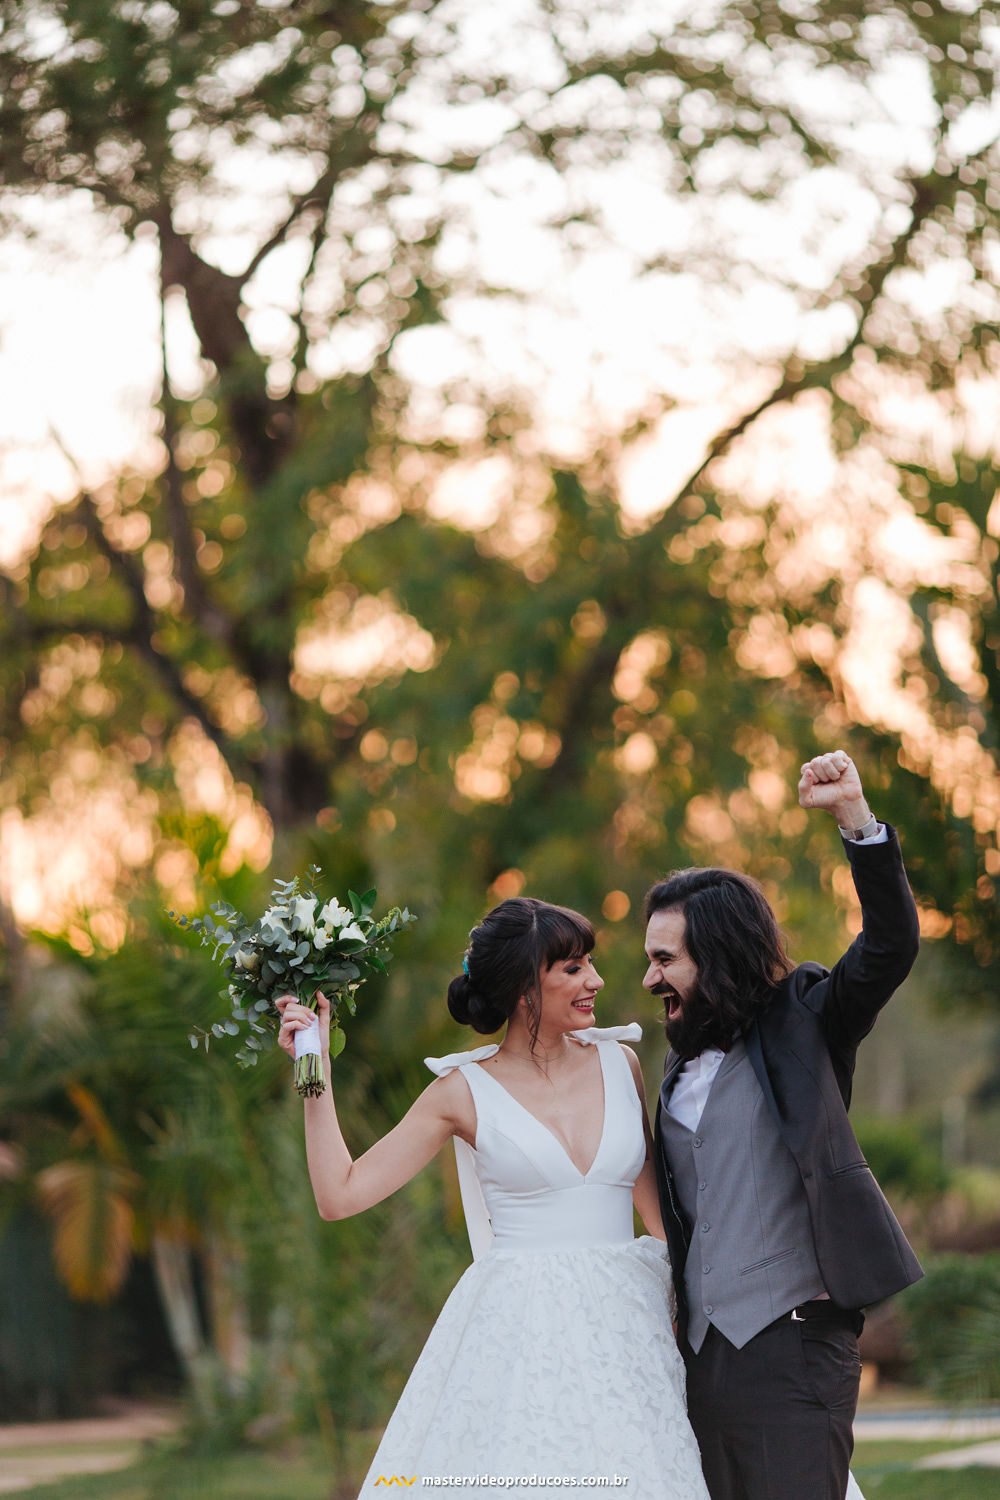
point(802, 1049)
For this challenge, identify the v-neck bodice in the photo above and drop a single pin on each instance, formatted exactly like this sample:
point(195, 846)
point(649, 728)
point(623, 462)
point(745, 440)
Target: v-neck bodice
point(495, 1083)
point(535, 1196)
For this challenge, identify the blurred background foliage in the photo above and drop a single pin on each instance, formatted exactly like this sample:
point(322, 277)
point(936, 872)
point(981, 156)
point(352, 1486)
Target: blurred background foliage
point(369, 606)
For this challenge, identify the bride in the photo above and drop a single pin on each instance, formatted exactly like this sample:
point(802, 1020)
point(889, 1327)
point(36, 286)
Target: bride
point(554, 1357)
point(553, 1363)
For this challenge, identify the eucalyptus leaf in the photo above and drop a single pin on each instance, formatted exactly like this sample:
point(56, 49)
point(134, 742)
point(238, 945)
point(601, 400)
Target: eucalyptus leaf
point(343, 973)
point(337, 1042)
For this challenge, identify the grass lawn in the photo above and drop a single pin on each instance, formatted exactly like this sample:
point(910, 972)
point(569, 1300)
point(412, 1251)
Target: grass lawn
point(299, 1472)
point(885, 1455)
point(943, 1484)
point(880, 1467)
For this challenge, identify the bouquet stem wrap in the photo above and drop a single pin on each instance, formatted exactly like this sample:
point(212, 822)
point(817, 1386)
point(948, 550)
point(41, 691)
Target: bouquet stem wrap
point(310, 1077)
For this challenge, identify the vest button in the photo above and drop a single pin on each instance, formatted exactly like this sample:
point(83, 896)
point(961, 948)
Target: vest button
point(697, 1140)
point(705, 1228)
point(710, 1311)
point(705, 1270)
point(702, 1186)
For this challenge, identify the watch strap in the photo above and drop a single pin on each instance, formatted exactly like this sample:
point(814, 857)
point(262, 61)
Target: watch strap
point(866, 831)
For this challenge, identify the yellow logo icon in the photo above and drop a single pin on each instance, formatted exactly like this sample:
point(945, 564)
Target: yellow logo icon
point(396, 1479)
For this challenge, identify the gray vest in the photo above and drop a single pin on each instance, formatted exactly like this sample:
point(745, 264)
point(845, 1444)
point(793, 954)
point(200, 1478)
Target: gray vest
point(751, 1257)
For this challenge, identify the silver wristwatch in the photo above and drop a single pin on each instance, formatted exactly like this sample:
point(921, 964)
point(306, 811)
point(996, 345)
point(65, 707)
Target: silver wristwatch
point(866, 831)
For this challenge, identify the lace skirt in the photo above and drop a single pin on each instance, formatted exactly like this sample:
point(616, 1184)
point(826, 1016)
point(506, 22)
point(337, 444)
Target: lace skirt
point(561, 1366)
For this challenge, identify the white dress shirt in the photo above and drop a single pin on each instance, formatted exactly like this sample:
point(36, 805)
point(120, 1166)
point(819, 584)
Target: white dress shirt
point(689, 1094)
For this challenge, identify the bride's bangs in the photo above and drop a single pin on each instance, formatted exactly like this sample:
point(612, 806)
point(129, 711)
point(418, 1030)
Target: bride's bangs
point(565, 934)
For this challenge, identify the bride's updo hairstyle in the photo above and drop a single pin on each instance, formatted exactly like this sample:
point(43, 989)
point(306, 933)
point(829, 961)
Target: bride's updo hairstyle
point(506, 955)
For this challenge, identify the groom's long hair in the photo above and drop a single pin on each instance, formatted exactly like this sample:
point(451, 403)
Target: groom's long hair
point(733, 939)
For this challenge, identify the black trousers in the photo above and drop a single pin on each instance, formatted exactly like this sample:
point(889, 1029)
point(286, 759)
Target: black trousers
point(774, 1420)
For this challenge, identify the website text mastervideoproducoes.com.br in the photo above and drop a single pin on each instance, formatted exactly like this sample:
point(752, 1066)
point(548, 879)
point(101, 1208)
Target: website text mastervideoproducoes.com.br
point(507, 1481)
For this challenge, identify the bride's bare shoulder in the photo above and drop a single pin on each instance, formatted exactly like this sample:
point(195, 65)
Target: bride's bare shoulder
point(636, 1067)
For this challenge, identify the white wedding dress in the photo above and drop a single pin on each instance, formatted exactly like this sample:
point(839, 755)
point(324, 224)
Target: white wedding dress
point(554, 1355)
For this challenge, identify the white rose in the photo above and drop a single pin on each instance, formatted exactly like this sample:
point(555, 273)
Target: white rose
point(320, 937)
point(247, 959)
point(334, 915)
point(352, 933)
point(303, 909)
point(276, 916)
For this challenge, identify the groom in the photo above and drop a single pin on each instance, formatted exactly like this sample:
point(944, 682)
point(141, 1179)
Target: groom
point(778, 1233)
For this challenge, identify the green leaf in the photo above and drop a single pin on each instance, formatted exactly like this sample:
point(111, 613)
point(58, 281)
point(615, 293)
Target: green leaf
point(342, 973)
point(231, 1028)
point(193, 1040)
point(337, 1042)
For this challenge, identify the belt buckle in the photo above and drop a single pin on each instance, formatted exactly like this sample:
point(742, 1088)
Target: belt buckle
point(797, 1316)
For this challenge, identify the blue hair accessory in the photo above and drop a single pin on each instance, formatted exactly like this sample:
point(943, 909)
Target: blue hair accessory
point(465, 966)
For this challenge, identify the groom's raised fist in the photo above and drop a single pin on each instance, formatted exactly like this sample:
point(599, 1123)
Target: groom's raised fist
point(831, 782)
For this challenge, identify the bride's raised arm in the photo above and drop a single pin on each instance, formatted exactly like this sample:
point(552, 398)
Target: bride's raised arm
point(342, 1186)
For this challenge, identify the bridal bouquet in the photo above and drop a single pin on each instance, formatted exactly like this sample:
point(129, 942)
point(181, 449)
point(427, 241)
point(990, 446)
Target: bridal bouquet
point(300, 945)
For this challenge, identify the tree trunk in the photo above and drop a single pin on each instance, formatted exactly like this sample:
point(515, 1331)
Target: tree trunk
point(172, 1266)
point(225, 1269)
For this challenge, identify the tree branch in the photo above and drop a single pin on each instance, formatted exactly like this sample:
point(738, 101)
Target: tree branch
point(142, 629)
point(821, 372)
point(215, 623)
point(318, 196)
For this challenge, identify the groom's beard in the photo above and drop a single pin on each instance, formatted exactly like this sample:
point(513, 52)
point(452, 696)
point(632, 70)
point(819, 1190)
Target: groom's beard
point(698, 1026)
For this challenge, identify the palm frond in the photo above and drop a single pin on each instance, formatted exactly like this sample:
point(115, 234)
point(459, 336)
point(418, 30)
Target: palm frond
point(89, 1202)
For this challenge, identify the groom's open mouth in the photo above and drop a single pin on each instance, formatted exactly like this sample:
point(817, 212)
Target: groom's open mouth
point(672, 1002)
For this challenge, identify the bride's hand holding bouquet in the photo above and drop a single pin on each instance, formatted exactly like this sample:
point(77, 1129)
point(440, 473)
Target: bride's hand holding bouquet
point(298, 1020)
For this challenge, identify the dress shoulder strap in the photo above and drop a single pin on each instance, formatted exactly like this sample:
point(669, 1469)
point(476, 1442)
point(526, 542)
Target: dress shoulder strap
point(477, 1217)
point(444, 1065)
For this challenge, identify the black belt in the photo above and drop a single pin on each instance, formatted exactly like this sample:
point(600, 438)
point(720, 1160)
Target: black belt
point(822, 1310)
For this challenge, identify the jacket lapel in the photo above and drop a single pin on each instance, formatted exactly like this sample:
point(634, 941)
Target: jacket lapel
point(755, 1052)
point(671, 1069)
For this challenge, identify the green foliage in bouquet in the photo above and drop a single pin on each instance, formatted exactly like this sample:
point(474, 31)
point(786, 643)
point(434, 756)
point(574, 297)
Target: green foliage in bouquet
point(300, 945)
